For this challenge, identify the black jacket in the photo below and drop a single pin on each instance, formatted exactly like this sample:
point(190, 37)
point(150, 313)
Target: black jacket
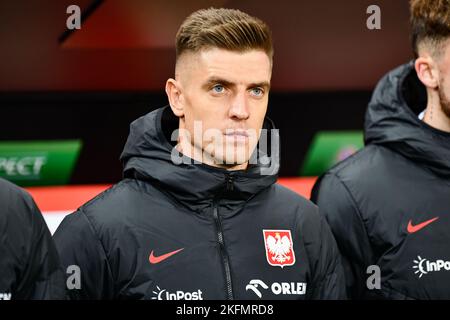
point(192, 231)
point(29, 262)
point(381, 203)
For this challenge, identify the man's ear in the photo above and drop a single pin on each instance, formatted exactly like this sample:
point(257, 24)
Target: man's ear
point(174, 94)
point(427, 71)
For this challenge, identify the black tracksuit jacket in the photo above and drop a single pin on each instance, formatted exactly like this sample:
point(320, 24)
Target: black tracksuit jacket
point(192, 231)
point(29, 263)
point(389, 204)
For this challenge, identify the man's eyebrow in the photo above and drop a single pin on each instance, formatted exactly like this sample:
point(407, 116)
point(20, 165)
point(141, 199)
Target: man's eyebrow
point(215, 80)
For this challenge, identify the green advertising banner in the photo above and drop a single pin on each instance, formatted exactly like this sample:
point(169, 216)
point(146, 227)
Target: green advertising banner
point(329, 148)
point(37, 163)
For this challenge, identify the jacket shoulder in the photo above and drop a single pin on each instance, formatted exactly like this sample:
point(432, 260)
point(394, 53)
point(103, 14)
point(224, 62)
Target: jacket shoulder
point(9, 193)
point(112, 202)
point(373, 160)
point(295, 207)
point(355, 163)
point(287, 196)
point(17, 205)
point(109, 195)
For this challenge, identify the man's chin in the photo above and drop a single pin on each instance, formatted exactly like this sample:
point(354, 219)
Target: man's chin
point(236, 156)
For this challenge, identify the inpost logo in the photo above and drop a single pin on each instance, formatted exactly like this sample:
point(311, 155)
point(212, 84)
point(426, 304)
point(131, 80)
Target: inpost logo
point(163, 294)
point(424, 266)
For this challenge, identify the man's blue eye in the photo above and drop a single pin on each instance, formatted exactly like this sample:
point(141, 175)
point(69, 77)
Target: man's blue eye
point(257, 91)
point(218, 88)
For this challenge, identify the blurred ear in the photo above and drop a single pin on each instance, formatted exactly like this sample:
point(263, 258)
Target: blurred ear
point(427, 71)
point(174, 94)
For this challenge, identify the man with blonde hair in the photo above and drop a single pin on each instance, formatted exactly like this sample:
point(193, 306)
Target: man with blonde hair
point(199, 215)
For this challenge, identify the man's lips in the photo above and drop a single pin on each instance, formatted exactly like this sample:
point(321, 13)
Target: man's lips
point(236, 133)
point(236, 136)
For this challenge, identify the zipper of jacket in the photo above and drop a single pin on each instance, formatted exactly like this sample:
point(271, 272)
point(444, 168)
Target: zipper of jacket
point(223, 252)
point(229, 182)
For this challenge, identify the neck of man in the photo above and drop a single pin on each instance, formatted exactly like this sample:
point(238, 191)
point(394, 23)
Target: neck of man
point(187, 148)
point(434, 114)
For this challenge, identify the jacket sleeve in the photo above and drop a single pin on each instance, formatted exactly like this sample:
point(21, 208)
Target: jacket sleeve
point(328, 281)
point(84, 258)
point(30, 250)
point(339, 208)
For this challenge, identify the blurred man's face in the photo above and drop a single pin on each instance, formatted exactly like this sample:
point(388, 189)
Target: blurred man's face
point(223, 96)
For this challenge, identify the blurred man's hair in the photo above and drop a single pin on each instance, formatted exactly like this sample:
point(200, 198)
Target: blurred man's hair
point(430, 24)
point(227, 29)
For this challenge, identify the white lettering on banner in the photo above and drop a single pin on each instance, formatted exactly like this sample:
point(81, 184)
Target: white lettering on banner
point(26, 166)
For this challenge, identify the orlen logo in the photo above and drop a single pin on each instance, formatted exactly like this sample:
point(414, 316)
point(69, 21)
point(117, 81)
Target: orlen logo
point(163, 294)
point(424, 266)
point(277, 288)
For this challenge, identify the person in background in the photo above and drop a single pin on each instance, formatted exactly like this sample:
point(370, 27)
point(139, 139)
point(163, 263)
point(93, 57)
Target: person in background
point(389, 204)
point(29, 263)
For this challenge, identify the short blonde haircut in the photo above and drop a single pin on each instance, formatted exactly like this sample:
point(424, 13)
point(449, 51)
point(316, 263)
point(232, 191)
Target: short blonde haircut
point(227, 29)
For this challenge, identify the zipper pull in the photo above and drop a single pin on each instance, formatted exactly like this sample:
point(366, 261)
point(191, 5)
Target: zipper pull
point(229, 180)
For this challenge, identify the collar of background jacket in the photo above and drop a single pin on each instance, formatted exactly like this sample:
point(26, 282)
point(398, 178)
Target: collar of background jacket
point(147, 156)
point(391, 121)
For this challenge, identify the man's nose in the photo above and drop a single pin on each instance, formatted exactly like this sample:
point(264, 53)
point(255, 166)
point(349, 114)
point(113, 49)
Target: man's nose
point(239, 107)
